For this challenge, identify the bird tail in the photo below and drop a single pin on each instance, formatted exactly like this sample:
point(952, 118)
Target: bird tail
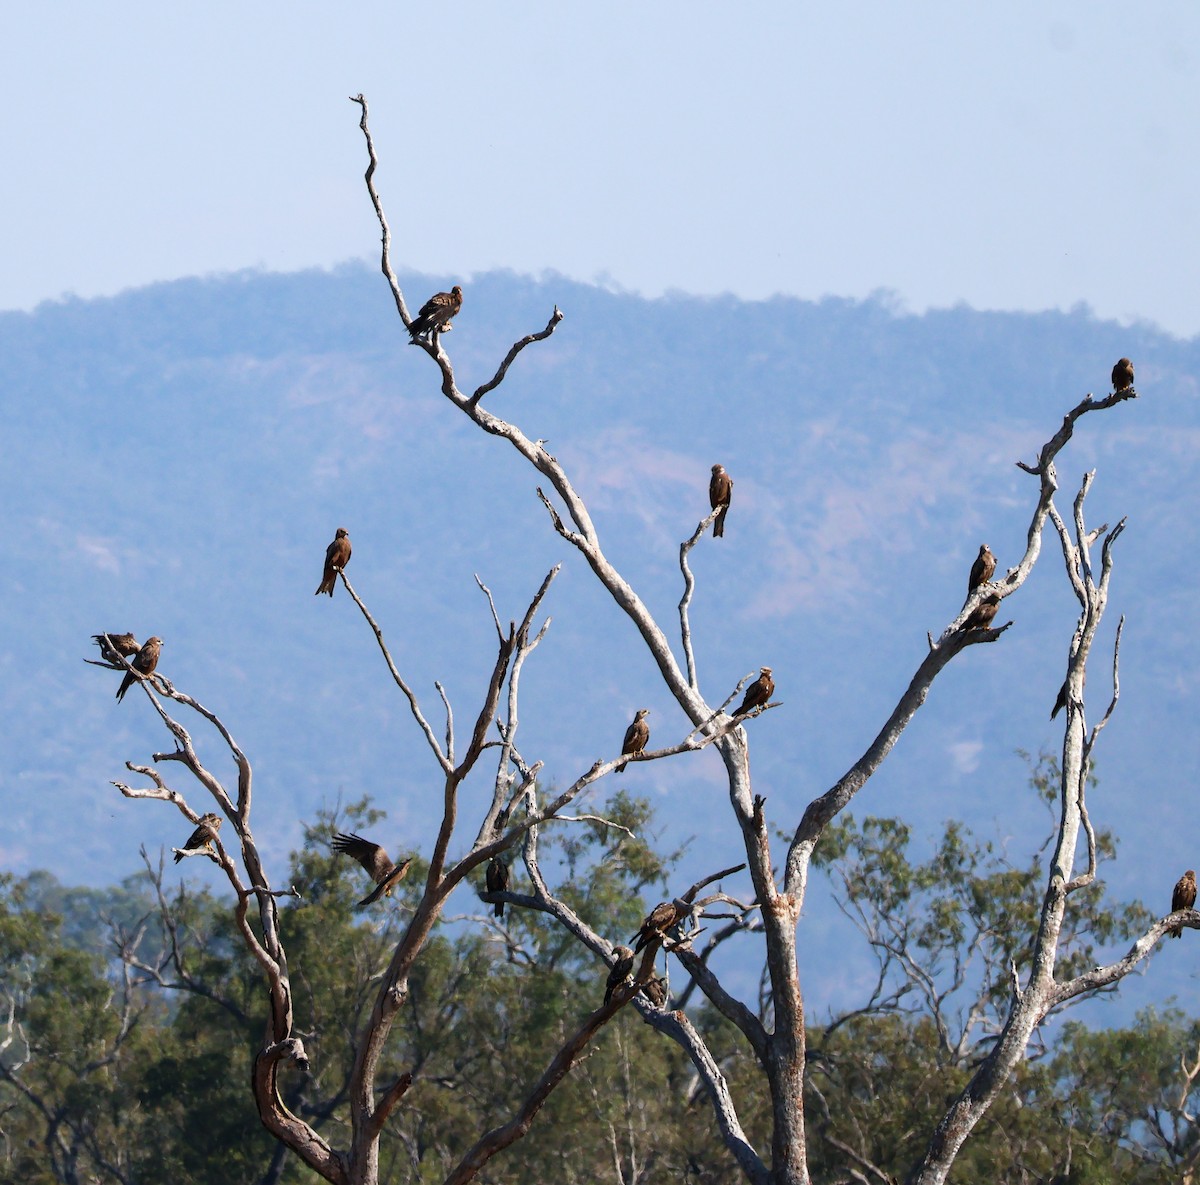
point(621, 768)
point(499, 909)
point(1176, 932)
point(418, 328)
point(719, 525)
point(372, 897)
point(178, 857)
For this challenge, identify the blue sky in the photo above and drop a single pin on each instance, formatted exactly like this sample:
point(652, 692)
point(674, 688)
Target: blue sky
point(1016, 156)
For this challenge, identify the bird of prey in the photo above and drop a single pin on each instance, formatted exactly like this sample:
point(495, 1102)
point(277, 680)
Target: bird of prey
point(661, 918)
point(622, 969)
point(1122, 375)
point(202, 837)
point(436, 313)
point(376, 861)
point(497, 881)
point(122, 645)
point(636, 736)
point(1061, 702)
point(655, 990)
point(144, 662)
point(981, 569)
point(758, 692)
point(720, 490)
point(984, 613)
point(1184, 897)
point(337, 556)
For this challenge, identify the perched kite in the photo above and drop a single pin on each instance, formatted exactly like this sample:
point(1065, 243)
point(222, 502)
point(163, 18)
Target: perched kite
point(337, 556)
point(981, 569)
point(376, 861)
point(622, 969)
point(636, 736)
point(497, 881)
point(1184, 897)
point(123, 645)
point(662, 917)
point(984, 613)
point(144, 662)
point(1061, 702)
point(1122, 377)
point(758, 692)
point(655, 990)
point(436, 313)
point(202, 837)
point(720, 490)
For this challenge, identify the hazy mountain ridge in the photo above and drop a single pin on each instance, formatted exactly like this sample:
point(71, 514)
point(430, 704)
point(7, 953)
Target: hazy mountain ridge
point(185, 452)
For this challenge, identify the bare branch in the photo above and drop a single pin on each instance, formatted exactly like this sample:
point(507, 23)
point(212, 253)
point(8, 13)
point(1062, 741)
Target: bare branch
point(445, 762)
point(517, 347)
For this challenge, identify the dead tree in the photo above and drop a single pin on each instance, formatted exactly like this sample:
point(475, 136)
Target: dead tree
point(518, 810)
point(779, 1047)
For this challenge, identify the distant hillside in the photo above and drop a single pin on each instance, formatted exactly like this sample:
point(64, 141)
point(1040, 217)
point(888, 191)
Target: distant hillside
point(182, 454)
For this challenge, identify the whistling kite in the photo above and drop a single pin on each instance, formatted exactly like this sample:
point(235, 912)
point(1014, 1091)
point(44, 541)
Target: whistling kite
point(636, 736)
point(655, 990)
point(984, 613)
point(720, 490)
point(622, 969)
point(436, 313)
point(661, 918)
point(1061, 702)
point(337, 556)
point(202, 837)
point(758, 692)
point(497, 881)
point(1184, 897)
point(123, 645)
point(376, 861)
point(1122, 375)
point(143, 664)
point(981, 569)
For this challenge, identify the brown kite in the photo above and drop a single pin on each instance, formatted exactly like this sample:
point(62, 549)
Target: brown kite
point(497, 881)
point(123, 645)
point(202, 837)
point(636, 736)
point(758, 692)
point(981, 569)
point(984, 613)
point(1122, 377)
point(337, 556)
point(1184, 897)
point(1061, 702)
point(661, 918)
point(436, 313)
point(622, 969)
point(143, 664)
point(655, 990)
point(720, 490)
point(376, 861)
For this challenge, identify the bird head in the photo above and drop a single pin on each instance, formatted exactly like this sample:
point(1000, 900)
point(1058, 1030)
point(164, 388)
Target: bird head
point(764, 670)
point(341, 533)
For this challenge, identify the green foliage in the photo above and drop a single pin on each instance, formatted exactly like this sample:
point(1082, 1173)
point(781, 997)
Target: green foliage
point(110, 1079)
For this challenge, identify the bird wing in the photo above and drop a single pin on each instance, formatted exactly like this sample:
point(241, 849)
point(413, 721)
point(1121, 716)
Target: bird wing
point(370, 855)
point(440, 304)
